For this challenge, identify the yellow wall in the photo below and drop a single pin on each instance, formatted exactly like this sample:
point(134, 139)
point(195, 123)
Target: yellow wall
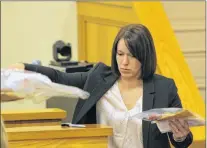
point(28, 31)
point(30, 28)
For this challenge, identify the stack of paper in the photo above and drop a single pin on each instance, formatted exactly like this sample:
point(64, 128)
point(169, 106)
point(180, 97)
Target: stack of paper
point(162, 116)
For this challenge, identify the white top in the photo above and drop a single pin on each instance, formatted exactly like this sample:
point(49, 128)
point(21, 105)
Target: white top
point(111, 111)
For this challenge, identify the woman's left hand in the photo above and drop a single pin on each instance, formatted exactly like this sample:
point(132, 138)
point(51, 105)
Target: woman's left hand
point(180, 129)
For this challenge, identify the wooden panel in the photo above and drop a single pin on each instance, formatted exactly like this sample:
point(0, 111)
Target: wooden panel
point(196, 63)
point(26, 123)
point(117, 3)
point(184, 25)
point(92, 136)
point(99, 42)
point(94, 142)
point(191, 40)
point(41, 117)
point(110, 12)
point(99, 23)
point(185, 9)
point(52, 113)
point(196, 144)
point(203, 92)
point(52, 132)
point(96, 37)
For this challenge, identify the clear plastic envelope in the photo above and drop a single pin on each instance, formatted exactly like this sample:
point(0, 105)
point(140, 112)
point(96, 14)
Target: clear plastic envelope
point(161, 117)
point(27, 84)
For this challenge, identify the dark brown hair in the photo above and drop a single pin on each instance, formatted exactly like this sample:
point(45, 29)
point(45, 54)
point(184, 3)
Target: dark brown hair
point(140, 43)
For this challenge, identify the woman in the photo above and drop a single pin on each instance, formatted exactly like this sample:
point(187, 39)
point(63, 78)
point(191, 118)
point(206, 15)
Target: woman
point(128, 87)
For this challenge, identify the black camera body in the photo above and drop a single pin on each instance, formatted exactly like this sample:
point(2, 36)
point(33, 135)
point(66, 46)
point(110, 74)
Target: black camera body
point(62, 54)
point(60, 48)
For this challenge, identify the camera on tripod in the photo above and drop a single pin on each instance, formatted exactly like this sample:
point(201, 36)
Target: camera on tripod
point(62, 54)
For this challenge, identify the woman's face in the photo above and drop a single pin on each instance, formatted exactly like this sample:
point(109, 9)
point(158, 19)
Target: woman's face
point(129, 66)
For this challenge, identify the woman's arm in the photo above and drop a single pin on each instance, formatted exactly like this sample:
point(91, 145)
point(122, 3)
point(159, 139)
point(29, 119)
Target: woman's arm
point(73, 79)
point(174, 101)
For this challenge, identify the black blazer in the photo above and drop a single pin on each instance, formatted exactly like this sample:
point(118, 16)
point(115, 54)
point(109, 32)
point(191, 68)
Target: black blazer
point(158, 92)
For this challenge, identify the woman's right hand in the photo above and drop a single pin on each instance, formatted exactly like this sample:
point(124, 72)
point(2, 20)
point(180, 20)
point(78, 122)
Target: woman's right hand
point(17, 66)
point(7, 94)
